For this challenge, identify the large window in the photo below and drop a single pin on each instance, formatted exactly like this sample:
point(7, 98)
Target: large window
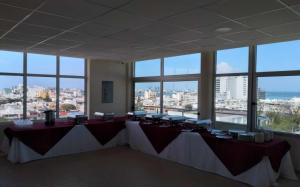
point(274, 78)
point(71, 96)
point(71, 92)
point(11, 98)
point(181, 98)
point(278, 90)
point(11, 86)
point(231, 85)
point(41, 96)
point(179, 95)
point(43, 84)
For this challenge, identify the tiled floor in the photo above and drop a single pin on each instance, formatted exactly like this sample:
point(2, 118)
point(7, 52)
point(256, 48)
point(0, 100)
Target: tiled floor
point(115, 167)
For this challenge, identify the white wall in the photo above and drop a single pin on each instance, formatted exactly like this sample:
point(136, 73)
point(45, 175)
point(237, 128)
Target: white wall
point(105, 70)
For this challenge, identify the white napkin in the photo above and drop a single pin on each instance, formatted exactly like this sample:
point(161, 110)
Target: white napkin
point(23, 122)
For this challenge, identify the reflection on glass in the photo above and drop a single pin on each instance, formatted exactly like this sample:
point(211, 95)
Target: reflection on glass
point(41, 64)
point(11, 98)
point(41, 96)
point(147, 96)
point(71, 66)
point(278, 103)
point(147, 68)
point(181, 98)
point(185, 64)
point(11, 62)
point(71, 96)
point(232, 60)
point(278, 56)
point(231, 99)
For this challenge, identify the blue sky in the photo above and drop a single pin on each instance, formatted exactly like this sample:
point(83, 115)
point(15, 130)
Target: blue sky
point(12, 62)
point(147, 68)
point(233, 60)
point(175, 65)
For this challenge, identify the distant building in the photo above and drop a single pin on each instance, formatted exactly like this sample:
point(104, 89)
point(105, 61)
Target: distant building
point(261, 94)
point(232, 87)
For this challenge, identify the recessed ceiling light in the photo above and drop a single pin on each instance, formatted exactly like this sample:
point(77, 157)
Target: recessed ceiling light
point(223, 29)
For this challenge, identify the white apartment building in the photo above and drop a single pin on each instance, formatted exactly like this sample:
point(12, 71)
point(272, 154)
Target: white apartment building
point(232, 87)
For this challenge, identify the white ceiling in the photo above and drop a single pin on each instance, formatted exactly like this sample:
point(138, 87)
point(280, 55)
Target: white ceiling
point(138, 29)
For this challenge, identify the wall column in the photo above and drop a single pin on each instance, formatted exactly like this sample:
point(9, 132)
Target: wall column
point(206, 94)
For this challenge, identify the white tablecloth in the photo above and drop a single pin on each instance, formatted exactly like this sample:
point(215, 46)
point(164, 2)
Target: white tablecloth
point(78, 139)
point(190, 149)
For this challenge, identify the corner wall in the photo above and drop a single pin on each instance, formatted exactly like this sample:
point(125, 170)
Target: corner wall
point(107, 70)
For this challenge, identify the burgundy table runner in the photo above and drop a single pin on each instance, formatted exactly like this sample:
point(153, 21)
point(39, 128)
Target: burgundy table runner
point(39, 137)
point(101, 119)
point(160, 137)
point(104, 131)
point(238, 156)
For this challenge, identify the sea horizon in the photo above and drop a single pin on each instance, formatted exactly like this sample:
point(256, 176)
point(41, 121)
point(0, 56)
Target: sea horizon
point(281, 95)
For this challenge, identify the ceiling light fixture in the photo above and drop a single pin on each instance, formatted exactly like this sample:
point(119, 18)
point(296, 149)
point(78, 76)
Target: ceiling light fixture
point(223, 29)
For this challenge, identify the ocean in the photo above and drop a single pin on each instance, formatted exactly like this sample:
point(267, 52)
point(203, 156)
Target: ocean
point(282, 95)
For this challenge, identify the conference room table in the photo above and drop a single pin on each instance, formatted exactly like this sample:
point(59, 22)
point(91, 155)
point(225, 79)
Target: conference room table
point(24, 144)
point(248, 162)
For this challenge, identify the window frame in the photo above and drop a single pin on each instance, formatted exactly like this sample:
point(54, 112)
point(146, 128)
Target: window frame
point(249, 94)
point(261, 74)
point(25, 75)
point(253, 76)
point(167, 78)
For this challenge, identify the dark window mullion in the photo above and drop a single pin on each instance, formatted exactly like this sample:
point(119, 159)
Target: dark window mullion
point(57, 85)
point(24, 85)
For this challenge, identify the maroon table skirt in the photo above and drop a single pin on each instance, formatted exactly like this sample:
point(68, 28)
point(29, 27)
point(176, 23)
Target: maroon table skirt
point(160, 137)
point(104, 131)
point(238, 156)
point(39, 137)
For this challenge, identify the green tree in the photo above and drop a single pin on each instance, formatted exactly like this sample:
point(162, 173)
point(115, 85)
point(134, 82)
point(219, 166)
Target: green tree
point(68, 107)
point(2, 119)
point(188, 107)
point(288, 122)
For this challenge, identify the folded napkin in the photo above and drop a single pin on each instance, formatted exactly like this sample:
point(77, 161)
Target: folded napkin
point(23, 122)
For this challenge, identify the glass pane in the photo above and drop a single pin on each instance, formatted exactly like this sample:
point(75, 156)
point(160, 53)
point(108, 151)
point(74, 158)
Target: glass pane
point(11, 98)
point(181, 98)
point(147, 96)
point(41, 64)
point(41, 96)
point(278, 103)
point(11, 62)
point(232, 60)
point(278, 56)
point(231, 99)
point(71, 96)
point(147, 68)
point(185, 64)
point(71, 66)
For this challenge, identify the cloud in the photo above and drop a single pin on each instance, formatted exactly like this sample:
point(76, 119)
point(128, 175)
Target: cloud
point(224, 67)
